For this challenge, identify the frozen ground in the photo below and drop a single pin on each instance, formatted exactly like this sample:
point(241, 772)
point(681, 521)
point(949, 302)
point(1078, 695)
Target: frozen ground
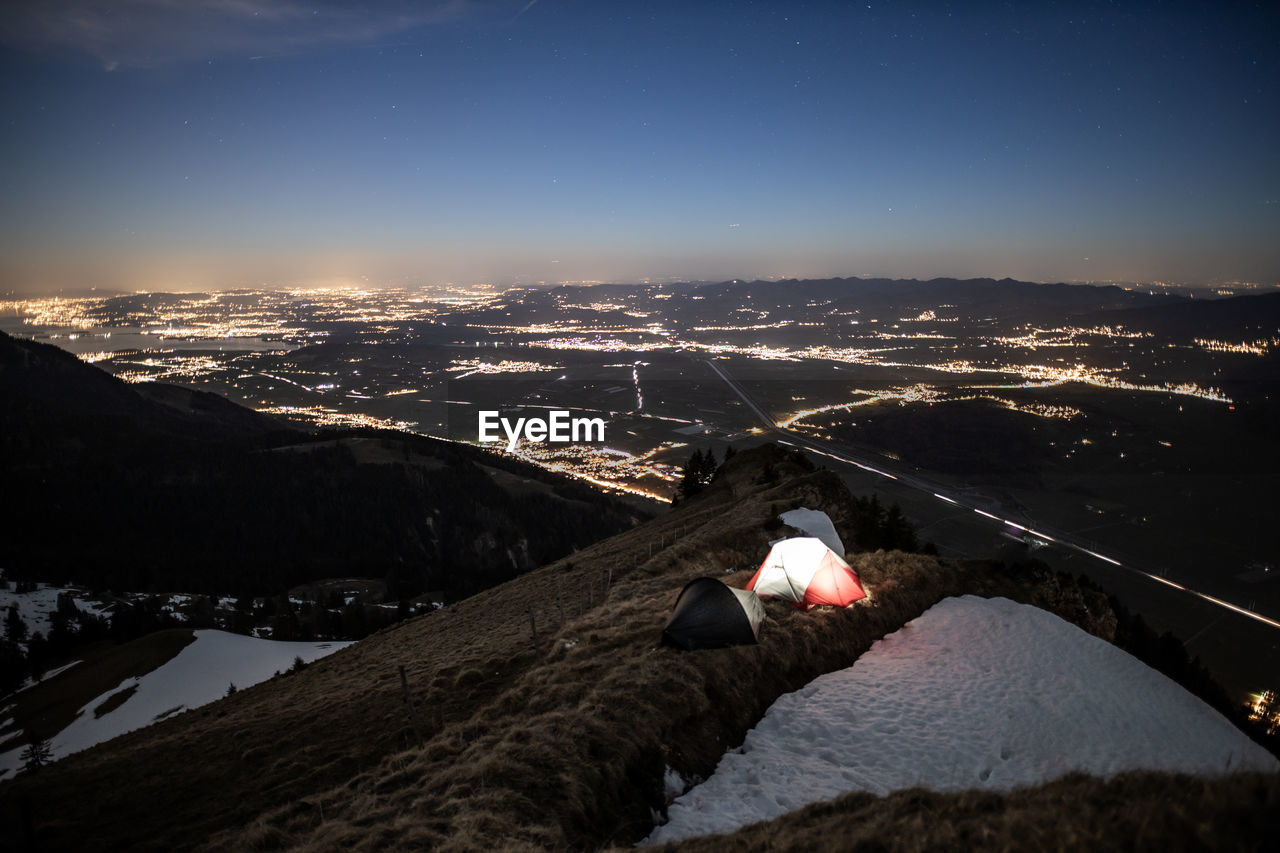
point(197, 675)
point(975, 693)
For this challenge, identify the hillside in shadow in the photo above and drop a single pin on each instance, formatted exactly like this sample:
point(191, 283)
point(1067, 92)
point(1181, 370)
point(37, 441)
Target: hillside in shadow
point(155, 487)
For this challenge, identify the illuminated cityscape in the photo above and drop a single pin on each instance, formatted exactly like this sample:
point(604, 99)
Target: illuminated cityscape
point(1053, 407)
point(410, 359)
point(1056, 413)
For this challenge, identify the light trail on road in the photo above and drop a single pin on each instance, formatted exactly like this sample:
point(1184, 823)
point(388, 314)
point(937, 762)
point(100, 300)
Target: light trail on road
point(635, 380)
point(1059, 538)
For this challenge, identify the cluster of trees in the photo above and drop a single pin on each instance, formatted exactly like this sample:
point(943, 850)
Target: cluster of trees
point(699, 471)
point(876, 527)
point(26, 654)
point(328, 620)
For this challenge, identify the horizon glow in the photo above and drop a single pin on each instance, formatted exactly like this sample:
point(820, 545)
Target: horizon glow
point(166, 145)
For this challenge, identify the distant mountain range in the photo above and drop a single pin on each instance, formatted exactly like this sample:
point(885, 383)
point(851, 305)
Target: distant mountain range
point(999, 297)
point(157, 487)
point(1257, 315)
point(1010, 300)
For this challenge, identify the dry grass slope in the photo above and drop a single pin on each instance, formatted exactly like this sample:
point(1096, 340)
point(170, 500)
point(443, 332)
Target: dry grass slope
point(1155, 812)
point(558, 747)
point(571, 754)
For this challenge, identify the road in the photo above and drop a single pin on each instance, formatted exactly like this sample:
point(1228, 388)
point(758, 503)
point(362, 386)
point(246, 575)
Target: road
point(1043, 533)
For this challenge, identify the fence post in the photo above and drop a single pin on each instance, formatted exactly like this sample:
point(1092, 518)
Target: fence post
point(408, 700)
point(533, 629)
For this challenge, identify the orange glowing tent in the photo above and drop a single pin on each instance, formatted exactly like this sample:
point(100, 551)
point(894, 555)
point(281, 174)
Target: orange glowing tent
point(805, 571)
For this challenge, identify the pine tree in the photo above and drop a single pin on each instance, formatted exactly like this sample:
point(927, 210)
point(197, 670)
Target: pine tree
point(13, 666)
point(37, 655)
point(37, 754)
point(15, 630)
point(697, 473)
point(691, 478)
point(899, 533)
point(709, 467)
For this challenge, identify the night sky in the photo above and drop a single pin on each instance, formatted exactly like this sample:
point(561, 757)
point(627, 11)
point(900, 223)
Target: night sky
point(175, 144)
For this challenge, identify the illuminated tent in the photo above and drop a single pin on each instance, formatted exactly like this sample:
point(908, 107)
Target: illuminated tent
point(710, 615)
point(805, 571)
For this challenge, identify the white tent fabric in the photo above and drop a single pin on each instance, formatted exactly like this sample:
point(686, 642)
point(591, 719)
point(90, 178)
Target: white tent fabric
point(790, 566)
point(751, 606)
point(815, 523)
point(808, 573)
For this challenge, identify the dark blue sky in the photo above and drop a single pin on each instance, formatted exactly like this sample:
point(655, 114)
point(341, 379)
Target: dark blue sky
point(176, 144)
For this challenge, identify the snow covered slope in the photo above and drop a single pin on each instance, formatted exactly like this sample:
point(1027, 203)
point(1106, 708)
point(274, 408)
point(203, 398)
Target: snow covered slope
point(975, 693)
point(199, 674)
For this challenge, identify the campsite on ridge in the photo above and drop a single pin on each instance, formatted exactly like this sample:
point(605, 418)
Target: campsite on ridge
point(530, 425)
point(545, 711)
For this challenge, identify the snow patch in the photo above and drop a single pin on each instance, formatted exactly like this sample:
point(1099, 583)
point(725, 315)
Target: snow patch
point(57, 670)
point(197, 675)
point(975, 693)
point(673, 784)
point(37, 606)
point(815, 523)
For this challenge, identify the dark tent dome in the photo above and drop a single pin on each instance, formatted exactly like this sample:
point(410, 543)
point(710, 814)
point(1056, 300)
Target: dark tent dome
point(710, 615)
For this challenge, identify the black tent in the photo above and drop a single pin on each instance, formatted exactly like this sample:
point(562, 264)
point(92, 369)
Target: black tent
point(710, 615)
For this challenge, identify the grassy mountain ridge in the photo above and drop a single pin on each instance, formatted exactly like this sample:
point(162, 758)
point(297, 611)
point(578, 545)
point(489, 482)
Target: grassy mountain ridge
point(562, 745)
